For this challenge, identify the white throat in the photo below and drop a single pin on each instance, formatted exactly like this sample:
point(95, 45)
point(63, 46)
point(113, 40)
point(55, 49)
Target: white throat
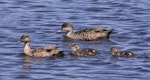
point(27, 49)
point(69, 34)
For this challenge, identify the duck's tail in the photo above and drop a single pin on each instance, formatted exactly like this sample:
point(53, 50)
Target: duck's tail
point(60, 54)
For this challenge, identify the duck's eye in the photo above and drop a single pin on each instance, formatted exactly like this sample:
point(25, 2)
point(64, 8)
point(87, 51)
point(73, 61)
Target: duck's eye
point(24, 37)
point(64, 26)
point(97, 31)
point(49, 50)
point(104, 30)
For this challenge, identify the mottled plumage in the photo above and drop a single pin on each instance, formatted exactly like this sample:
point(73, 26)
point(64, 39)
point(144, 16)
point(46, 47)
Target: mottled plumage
point(39, 52)
point(87, 34)
point(76, 51)
point(115, 52)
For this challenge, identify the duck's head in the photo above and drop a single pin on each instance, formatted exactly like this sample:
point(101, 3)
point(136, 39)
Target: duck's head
point(115, 52)
point(25, 38)
point(67, 27)
point(114, 49)
point(74, 47)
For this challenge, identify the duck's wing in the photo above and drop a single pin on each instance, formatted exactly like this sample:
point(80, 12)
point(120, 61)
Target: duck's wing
point(126, 53)
point(45, 51)
point(100, 29)
point(36, 50)
point(89, 51)
point(85, 30)
point(95, 31)
point(76, 53)
point(89, 34)
point(49, 47)
point(39, 52)
point(45, 48)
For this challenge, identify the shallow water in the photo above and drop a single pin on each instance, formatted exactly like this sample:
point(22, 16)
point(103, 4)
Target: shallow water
point(42, 18)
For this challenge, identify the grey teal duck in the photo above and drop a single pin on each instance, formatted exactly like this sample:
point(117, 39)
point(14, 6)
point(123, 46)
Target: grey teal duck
point(117, 53)
point(39, 52)
point(87, 34)
point(76, 51)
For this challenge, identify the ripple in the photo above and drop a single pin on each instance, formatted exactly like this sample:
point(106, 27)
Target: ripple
point(94, 9)
point(40, 19)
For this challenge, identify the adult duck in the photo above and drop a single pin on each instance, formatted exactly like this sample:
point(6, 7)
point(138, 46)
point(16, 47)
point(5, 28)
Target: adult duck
point(44, 51)
point(88, 34)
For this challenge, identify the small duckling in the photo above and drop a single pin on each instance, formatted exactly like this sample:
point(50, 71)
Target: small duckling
point(88, 34)
point(39, 52)
point(117, 53)
point(76, 51)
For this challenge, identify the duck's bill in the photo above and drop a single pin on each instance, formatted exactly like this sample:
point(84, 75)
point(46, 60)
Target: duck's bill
point(19, 42)
point(60, 31)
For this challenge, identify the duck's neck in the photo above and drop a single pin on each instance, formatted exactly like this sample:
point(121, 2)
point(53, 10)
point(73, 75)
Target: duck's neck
point(116, 53)
point(70, 33)
point(27, 49)
point(74, 49)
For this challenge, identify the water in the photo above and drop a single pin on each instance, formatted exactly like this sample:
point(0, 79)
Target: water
point(42, 18)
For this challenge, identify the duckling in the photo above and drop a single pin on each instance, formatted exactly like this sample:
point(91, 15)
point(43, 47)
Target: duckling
point(117, 53)
point(39, 52)
point(88, 34)
point(76, 51)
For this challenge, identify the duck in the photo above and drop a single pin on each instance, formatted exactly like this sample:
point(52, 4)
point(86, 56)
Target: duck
point(117, 53)
point(87, 34)
point(44, 51)
point(76, 51)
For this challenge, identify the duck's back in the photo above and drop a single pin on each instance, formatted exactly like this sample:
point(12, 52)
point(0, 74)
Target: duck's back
point(85, 52)
point(87, 34)
point(126, 54)
point(45, 51)
point(89, 52)
point(76, 53)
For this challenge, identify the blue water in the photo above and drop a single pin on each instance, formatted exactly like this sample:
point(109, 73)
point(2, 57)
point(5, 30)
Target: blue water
point(42, 18)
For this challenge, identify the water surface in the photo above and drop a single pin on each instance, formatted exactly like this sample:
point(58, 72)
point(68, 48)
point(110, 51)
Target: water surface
point(42, 18)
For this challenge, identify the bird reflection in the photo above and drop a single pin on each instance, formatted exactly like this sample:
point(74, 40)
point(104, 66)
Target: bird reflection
point(26, 63)
point(114, 59)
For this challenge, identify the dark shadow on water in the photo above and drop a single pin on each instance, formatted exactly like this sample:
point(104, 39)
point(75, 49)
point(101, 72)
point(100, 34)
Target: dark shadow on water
point(71, 41)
